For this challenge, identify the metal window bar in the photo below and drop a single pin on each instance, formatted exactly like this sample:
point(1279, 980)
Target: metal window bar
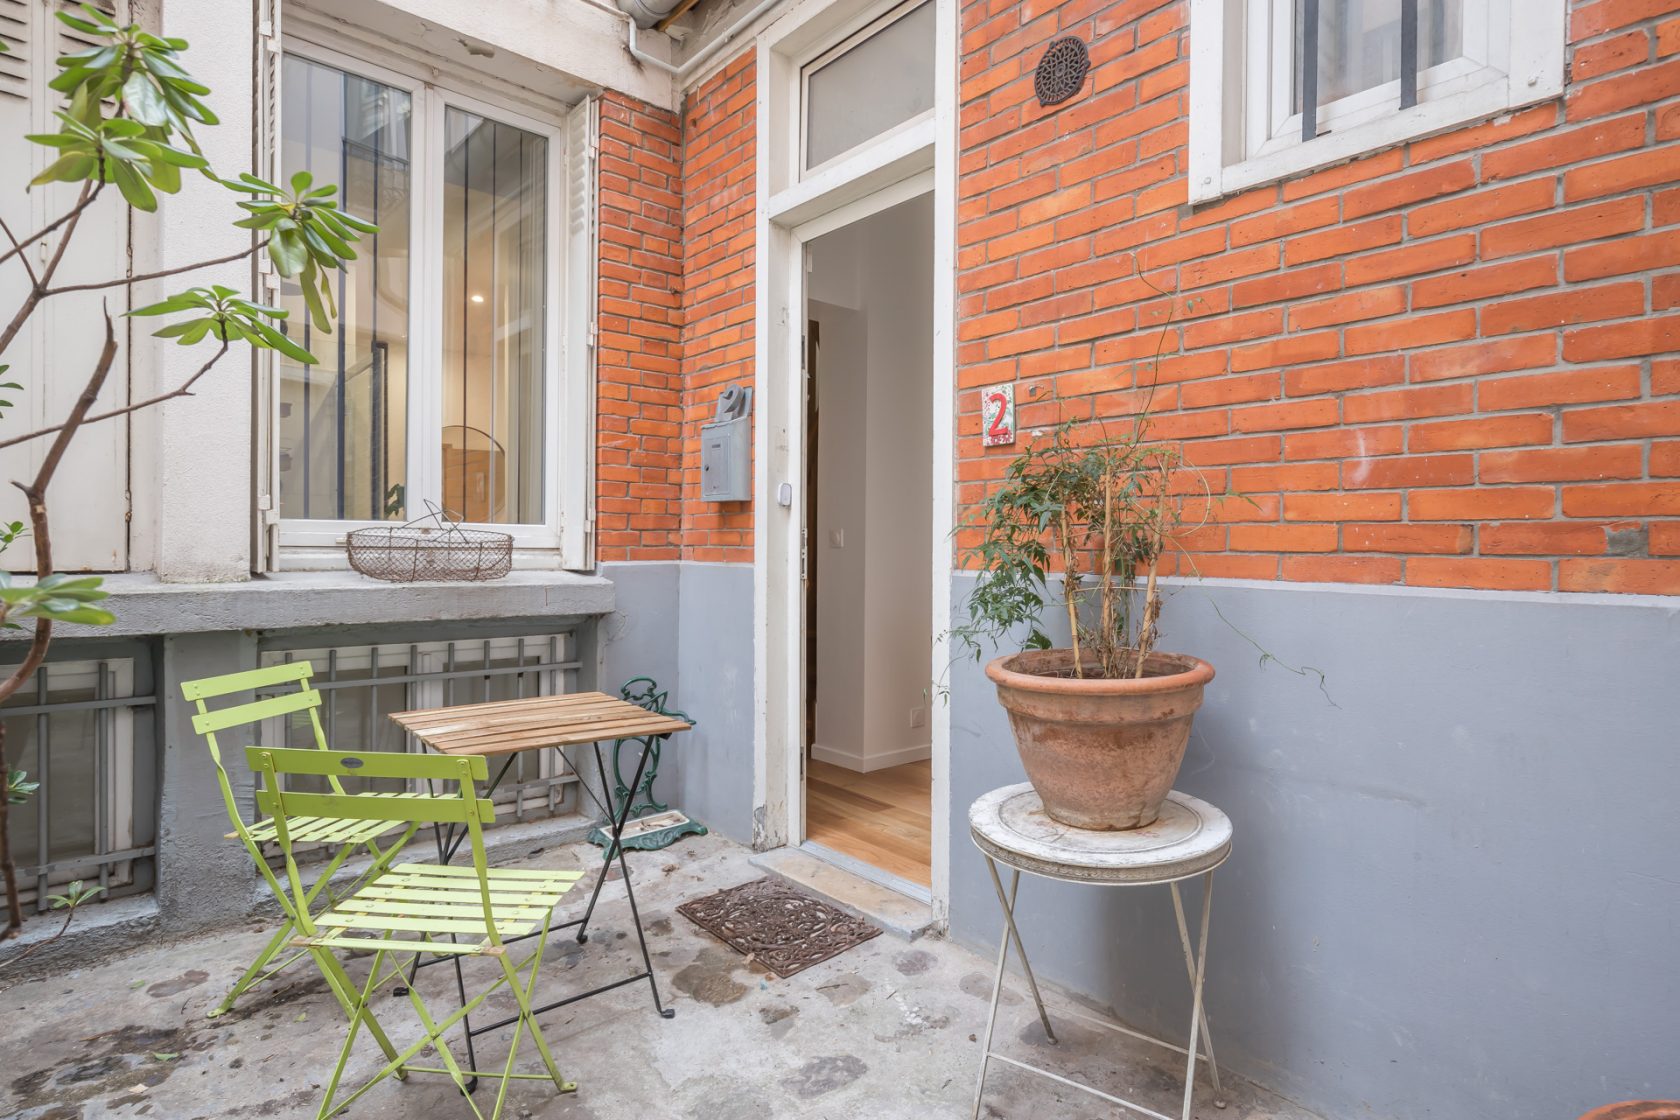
point(1308, 62)
point(537, 785)
point(1309, 69)
point(118, 870)
point(1408, 53)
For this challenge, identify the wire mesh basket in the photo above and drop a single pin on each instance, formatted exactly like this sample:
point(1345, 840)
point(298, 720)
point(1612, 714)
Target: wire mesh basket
point(433, 547)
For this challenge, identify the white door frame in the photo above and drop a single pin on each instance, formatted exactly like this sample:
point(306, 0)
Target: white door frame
point(904, 163)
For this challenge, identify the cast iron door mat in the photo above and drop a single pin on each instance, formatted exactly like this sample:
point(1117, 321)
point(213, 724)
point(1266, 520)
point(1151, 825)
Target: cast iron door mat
point(782, 928)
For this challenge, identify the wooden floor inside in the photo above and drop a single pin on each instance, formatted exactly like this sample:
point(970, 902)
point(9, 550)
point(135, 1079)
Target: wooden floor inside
point(884, 817)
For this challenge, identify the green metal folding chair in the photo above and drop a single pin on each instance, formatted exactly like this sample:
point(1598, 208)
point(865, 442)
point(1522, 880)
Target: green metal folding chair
point(414, 909)
point(350, 836)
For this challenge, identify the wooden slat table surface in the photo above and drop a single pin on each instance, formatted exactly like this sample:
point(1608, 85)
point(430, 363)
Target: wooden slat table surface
point(540, 721)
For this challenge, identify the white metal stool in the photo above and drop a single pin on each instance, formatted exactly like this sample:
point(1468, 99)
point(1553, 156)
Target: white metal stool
point(1190, 838)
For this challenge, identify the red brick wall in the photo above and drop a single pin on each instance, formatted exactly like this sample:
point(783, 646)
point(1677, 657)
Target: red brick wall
point(1450, 363)
point(638, 455)
point(719, 170)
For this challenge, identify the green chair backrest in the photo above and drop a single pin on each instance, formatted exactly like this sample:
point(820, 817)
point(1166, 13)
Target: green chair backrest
point(459, 805)
point(208, 721)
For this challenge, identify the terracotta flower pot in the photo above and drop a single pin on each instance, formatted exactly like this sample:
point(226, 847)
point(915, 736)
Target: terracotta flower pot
point(1636, 1110)
point(1102, 754)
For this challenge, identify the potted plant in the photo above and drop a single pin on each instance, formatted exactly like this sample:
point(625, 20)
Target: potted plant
point(1101, 724)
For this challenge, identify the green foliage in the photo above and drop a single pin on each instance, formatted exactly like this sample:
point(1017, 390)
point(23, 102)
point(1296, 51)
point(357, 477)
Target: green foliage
point(12, 387)
point(309, 236)
point(1097, 508)
point(18, 787)
point(59, 597)
point(227, 317)
point(147, 141)
point(74, 895)
point(157, 104)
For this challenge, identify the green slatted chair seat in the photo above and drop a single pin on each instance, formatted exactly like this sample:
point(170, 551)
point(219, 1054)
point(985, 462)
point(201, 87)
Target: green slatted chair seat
point(328, 830)
point(424, 898)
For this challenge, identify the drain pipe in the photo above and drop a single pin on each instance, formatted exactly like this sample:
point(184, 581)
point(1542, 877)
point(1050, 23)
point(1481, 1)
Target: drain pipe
point(627, 7)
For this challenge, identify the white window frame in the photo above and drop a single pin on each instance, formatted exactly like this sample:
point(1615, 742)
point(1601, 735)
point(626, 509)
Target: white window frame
point(562, 537)
point(1243, 131)
point(810, 66)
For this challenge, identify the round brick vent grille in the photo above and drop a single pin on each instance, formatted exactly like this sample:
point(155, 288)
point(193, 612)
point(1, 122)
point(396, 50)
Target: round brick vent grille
point(1061, 71)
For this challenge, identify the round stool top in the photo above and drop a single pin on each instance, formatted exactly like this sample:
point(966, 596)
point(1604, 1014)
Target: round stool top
point(1189, 837)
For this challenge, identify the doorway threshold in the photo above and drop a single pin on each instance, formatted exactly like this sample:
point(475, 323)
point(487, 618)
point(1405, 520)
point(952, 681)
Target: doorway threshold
point(835, 879)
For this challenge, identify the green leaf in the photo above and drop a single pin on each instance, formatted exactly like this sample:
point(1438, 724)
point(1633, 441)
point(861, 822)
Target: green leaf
point(133, 187)
point(88, 616)
point(276, 340)
point(288, 252)
point(74, 168)
point(143, 99)
point(186, 301)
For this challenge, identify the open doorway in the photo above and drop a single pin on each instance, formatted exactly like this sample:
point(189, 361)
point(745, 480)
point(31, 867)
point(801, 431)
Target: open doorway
point(868, 600)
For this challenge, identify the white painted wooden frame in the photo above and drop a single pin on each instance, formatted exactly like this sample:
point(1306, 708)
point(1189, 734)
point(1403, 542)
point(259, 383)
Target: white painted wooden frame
point(857, 38)
point(1514, 55)
point(317, 542)
point(793, 209)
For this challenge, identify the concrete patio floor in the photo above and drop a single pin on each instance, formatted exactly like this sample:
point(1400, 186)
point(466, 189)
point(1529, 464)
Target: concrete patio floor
point(885, 1031)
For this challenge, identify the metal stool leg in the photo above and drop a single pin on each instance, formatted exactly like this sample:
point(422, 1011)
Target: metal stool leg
point(1015, 935)
point(1190, 973)
point(1007, 902)
point(997, 992)
point(1199, 975)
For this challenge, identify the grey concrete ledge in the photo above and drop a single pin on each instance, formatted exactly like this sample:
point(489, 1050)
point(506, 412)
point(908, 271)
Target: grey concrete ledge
point(145, 605)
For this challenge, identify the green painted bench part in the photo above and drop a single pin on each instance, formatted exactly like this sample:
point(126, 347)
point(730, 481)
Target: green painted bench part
point(414, 909)
point(350, 836)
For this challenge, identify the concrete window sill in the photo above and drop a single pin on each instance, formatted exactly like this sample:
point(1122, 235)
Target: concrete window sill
point(144, 604)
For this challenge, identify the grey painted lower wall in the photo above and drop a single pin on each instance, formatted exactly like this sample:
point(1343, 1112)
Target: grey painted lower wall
point(1454, 894)
point(689, 625)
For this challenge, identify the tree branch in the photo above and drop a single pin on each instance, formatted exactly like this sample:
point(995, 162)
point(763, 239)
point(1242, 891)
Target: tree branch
point(36, 494)
point(81, 204)
point(181, 390)
point(34, 281)
point(127, 280)
point(39, 290)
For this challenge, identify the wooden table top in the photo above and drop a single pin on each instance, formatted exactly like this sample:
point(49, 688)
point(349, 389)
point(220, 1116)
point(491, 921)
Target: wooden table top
point(539, 721)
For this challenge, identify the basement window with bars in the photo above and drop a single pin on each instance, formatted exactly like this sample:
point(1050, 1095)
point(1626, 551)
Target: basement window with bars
point(73, 730)
point(362, 686)
point(1280, 87)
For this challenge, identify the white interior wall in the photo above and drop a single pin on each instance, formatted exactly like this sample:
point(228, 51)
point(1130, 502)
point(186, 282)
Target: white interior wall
point(875, 394)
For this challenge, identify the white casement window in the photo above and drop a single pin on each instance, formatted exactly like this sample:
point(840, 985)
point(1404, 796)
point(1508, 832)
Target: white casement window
point(459, 372)
point(1280, 87)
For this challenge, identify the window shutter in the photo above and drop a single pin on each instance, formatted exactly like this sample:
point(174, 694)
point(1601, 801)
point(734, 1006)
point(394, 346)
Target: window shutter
point(265, 162)
point(577, 438)
point(14, 63)
point(63, 335)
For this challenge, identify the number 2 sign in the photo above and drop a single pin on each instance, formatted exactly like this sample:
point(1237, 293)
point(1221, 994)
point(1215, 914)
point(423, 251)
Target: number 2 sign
point(997, 414)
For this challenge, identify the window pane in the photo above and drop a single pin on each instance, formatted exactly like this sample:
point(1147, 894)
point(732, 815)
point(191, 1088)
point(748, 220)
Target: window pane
point(344, 421)
point(881, 82)
point(494, 242)
point(1359, 43)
